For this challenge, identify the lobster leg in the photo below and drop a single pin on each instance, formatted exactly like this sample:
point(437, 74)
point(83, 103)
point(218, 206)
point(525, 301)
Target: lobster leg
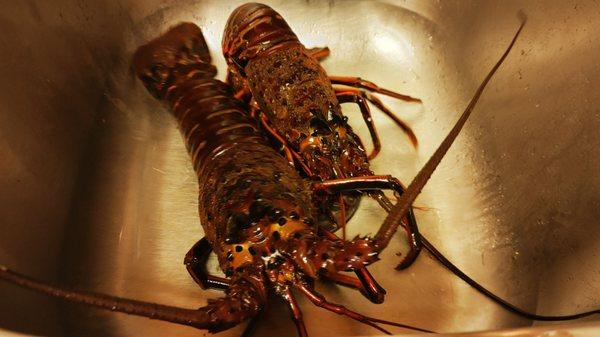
point(291, 155)
point(373, 291)
point(242, 94)
point(363, 183)
point(251, 327)
point(407, 223)
point(322, 52)
point(295, 312)
point(288, 152)
point(319, 300)
point(344, 280)
point(350, 97)
point(195, 262)
point(358, 82)
point(368, 183)
point(342, 216)
point(360, 97)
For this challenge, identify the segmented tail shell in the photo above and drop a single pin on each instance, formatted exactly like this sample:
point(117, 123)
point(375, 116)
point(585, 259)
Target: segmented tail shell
point(210, 119)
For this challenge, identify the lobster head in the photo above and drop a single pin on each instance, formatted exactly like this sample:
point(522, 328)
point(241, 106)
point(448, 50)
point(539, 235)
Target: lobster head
point(181, 53)
point(330, 149)
point(281, 240)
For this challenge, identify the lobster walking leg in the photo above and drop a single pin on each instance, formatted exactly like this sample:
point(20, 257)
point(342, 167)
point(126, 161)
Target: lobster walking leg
point(361, 96)
point(320, 300)
point(345, 280)
point(367, 183)
point(319, 52)
point(363, 183)
point(264, 122)
point(358, 82)
point(295, 312)
point(251, 327)
point(372, 291)
point(349, 97)
point(342, 221)
point(322, 52)
point(291, 155)
point(408, 224)
point(195, 262)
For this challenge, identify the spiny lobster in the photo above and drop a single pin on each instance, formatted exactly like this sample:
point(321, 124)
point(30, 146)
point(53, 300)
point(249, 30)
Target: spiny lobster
point(258, 219)
point(293, 99)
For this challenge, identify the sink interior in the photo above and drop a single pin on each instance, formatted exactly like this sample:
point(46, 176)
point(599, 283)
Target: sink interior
point(98, 192)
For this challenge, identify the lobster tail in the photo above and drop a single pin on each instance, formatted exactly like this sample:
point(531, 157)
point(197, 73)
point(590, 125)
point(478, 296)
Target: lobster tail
point(210, 120)
point(255, 29)
point(178, 55)
point(175, 68)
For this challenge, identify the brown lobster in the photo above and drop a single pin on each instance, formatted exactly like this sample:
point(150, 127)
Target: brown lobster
point(293, 99)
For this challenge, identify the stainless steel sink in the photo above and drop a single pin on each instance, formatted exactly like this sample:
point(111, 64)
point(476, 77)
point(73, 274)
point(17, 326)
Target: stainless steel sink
point(97, 191)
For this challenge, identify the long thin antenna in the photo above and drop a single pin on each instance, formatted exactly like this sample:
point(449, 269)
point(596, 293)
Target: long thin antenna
point(199, 318)
point(400, 210)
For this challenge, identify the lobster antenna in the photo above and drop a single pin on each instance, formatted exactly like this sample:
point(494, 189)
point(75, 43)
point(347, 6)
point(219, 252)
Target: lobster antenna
point(197, 318)
point(502, 302)
point(402, 207)
point(399, 211)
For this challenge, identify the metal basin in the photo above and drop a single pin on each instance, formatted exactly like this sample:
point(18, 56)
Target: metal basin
point(97, 190)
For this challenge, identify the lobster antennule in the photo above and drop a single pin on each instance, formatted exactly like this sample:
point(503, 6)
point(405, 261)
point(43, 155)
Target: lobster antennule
point(213, 317)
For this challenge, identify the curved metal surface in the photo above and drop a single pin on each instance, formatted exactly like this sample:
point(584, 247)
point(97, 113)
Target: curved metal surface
point(98, 192)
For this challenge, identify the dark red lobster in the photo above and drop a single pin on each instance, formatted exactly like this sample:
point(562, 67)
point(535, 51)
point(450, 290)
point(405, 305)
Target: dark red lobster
point(293, 99)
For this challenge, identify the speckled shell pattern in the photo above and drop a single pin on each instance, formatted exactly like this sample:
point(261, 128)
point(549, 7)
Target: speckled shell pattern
point(235, 165)
point(294, 92)
point(240, 176)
